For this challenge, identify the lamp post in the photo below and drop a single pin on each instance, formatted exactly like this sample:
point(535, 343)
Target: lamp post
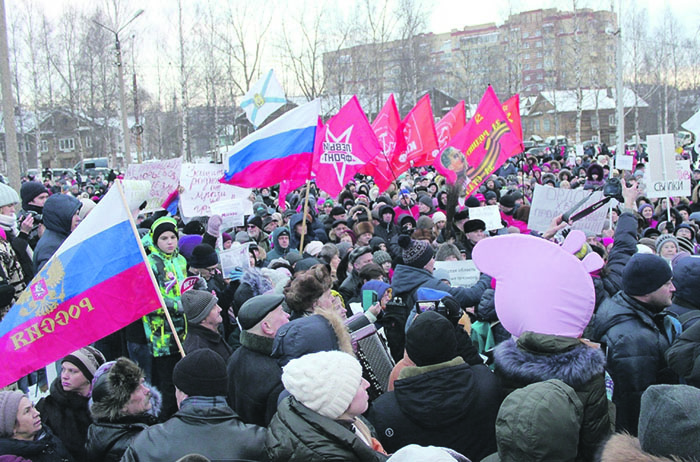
point(122, 92)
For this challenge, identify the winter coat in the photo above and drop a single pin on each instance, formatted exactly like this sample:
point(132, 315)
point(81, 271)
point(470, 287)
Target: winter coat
point(622, 250)
point(635, 353)
point(625, 448)
point(214, 432)
point(67, 415)
point(58, 218)
point(199, 337)
point(386, 230)
point(166, 268)
point(408, 279)
point(11, 272)
point(45, 448)
point(452, 405)
point(539, 357)
point(107, 441)
point(684, 355)
point(254, 380)
point(351, 288)
point(314, 232)
point(297, 434)
point(277, 251)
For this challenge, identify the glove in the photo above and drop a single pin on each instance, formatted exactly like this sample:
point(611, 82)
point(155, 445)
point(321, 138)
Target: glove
point(214, 225)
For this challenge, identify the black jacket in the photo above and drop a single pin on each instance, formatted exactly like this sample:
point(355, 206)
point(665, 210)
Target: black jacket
point(297, 434)
point(107, 441)
point(58, 217)
point(199, 337)
point(622, 250)
point(539, 357)
point(68, 417)
point(684, 355)
point(47, 448)
point(254, 380)
point(351, 289)
point(635, 353)
point(214, 432)
point(451, 404)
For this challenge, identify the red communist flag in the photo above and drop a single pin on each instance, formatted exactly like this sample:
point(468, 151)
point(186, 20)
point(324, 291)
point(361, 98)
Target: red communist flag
point(421, 140)
point(512, 111)
point(483, 145)
point(387, 127)
point(451, 124)
point(344, 145)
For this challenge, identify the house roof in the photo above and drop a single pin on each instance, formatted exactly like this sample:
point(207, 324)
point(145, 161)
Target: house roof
point(566, 99)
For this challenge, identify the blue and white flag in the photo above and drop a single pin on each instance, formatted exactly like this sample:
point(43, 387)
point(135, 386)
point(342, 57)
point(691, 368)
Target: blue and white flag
point(263, 98)
point(693, 126)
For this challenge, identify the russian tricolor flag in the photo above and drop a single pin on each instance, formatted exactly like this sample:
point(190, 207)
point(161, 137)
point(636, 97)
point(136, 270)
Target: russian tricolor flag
point(97, 282)
point(277, 152)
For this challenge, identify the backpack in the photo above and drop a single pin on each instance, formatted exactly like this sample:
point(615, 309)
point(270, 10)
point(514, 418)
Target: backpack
point(674, 324)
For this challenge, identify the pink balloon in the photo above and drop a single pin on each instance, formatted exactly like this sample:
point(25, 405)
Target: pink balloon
point(540, 286)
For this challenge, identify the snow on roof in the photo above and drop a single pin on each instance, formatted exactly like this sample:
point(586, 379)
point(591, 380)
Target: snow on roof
point(566, 99)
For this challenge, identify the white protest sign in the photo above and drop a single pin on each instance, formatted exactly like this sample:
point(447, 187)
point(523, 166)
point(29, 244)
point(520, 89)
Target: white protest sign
point(201, 188)
point(548, 202)
point(489, 214)
point(235, 257)
point(579, 150)
point(624, 162)
point(232, 211)
point(662, 157)
point(164, 176)
point(463, 273)
point(136, 193)
point(677, 184)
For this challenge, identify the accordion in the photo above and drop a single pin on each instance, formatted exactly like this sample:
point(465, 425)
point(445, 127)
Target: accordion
point(370, 349)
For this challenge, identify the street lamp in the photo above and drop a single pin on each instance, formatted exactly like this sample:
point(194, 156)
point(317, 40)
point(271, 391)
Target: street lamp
point(122, 92)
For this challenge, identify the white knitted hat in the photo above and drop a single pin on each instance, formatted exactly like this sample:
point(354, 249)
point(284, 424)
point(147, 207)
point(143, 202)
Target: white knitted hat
point(325, 382)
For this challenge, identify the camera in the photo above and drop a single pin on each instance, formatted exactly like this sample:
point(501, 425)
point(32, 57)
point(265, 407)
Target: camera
point(613, 188)
point(38, 217)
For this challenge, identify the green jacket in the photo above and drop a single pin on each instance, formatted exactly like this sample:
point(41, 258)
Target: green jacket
point(170, 271)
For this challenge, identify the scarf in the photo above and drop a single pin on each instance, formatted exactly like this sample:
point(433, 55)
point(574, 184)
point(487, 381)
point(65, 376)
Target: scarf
point(9, 224)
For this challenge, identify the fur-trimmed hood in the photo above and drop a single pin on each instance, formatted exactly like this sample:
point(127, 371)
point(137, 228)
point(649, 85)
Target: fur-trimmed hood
point(623, 447)
point(539, 357)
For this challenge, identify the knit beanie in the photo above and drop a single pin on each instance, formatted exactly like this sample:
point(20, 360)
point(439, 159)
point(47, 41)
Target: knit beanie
point(201, 373)
point(225, 237)
point(686, 274)
point(313, 248)
point(8, 196)
point(431, 339)
point(644, 206)
point(438, 217)
point(187, 243)
point(9, 404)
point(162, 225)
point(256, 220)
point(326, 382)
point(87, 359)
point(424, 222)
point(380, 257)
point(685, 245)
point(415, 253)
point(29, 191)
point(662, 239)
point(203, 256)
point(645, 273)
point(669, 421)
point(197, 304)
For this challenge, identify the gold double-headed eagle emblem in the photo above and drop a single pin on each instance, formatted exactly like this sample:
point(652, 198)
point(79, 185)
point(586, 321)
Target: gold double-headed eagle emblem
point(45, 291)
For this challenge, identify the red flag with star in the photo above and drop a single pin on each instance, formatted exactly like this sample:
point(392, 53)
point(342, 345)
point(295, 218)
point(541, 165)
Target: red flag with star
point(451, 124)
point(344, 145)
point(421, 140)
point(387, 127)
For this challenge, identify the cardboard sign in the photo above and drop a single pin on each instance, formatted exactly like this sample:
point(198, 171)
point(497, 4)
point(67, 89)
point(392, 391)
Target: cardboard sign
point(489, 214)
point(164, 176)
point(201, 188)
point(624, 162)
point(235, 257)
point(549, 202)
point(662, 157)
point(232, 211)
point(463, 273)
point(678, 183)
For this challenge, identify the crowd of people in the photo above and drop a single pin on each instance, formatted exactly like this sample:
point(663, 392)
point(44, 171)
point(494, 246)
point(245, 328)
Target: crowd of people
point(569, 346)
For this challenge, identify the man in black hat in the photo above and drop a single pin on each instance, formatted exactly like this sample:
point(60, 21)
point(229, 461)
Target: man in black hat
point(204, 424)
point(351, 288)
point(254, 382)
point(438, 400)
point(256, 233)
point(203, 319)
point(631, 325)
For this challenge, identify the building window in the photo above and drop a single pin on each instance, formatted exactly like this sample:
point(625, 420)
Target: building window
point(88, 141)
point(595, 122)
point(44, 146)
point(612, 120)
point(66, 144)
point(2, 146)
point(545, 124)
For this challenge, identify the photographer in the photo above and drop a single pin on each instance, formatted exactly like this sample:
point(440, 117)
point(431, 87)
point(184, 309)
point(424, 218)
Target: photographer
point(31, 226)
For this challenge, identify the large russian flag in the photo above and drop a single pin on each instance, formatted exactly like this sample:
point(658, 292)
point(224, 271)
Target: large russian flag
point(278, 151)
point(97, 282)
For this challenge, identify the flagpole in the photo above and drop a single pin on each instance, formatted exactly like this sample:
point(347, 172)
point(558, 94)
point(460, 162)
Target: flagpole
point(303, 222)
point(118, 183)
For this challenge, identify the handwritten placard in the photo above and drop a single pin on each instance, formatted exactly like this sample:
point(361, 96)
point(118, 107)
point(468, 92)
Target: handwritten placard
point(201, 189)
point(235, 257)
point(677, 183)
point(232, 211)
point(463, 273)
point(163, 175)
point(489, 214)
point(549, 202)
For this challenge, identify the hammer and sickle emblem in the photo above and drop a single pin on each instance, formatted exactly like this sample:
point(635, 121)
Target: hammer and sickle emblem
point(478, 118)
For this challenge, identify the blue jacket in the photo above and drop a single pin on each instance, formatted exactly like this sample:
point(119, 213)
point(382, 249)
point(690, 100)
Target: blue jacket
point(58, 216)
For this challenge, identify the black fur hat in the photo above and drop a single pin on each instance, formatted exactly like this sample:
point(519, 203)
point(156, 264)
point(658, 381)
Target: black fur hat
point(113, 389)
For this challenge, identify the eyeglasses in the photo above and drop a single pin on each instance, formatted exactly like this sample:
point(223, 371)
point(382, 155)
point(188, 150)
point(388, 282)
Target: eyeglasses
point(252, 226)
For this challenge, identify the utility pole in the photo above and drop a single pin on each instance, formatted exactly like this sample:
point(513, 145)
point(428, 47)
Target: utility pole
point(122, 92)
point(138, 128)
point(8, 105)
point(620, 150)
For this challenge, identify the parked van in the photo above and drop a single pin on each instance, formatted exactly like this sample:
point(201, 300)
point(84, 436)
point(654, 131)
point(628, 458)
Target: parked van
point(92, 166)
